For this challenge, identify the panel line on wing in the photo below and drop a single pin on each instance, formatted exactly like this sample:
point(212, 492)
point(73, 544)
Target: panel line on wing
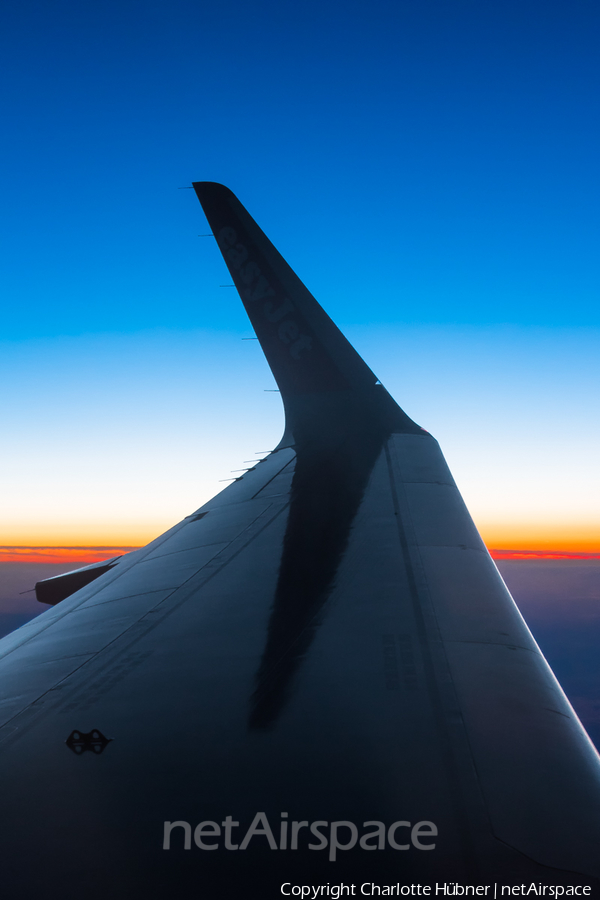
point(429, 639)
point(138, 629)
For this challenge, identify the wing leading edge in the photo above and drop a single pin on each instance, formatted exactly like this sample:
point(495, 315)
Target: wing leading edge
point(326, 645)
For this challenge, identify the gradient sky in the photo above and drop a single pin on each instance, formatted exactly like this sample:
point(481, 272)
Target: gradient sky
point(429, 168)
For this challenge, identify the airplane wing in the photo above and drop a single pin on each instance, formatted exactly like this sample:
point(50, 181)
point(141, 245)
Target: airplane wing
point(318, 678)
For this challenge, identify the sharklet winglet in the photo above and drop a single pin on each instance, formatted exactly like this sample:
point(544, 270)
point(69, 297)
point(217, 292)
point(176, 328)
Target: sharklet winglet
point(321, 377)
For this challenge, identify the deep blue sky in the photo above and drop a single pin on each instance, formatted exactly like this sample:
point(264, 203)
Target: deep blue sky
point(437, 159)
point(429, 167)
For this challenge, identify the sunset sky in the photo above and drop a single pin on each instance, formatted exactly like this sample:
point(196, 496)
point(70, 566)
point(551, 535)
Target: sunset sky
point(429, 169)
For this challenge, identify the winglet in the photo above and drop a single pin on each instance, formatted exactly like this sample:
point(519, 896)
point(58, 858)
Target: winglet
point(314, 365)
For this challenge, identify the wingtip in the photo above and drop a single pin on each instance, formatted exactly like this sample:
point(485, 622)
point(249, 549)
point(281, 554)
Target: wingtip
point(211, 188)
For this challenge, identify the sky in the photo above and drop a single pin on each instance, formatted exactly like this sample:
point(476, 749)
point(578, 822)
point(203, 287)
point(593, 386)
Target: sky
point(430, 170)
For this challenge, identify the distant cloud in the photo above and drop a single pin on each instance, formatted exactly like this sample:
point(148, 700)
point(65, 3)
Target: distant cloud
point(497, 553)
point(63, 555)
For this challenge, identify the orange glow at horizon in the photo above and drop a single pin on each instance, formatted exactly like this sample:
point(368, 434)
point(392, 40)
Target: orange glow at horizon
point(85, 534)
point(86, 555)
point(554, 539)
point(61, 543)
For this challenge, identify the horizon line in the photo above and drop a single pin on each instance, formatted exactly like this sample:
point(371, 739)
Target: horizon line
point(60, 554)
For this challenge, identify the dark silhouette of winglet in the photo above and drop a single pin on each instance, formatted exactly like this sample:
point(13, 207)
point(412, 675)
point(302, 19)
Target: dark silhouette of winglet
point(322, 379)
